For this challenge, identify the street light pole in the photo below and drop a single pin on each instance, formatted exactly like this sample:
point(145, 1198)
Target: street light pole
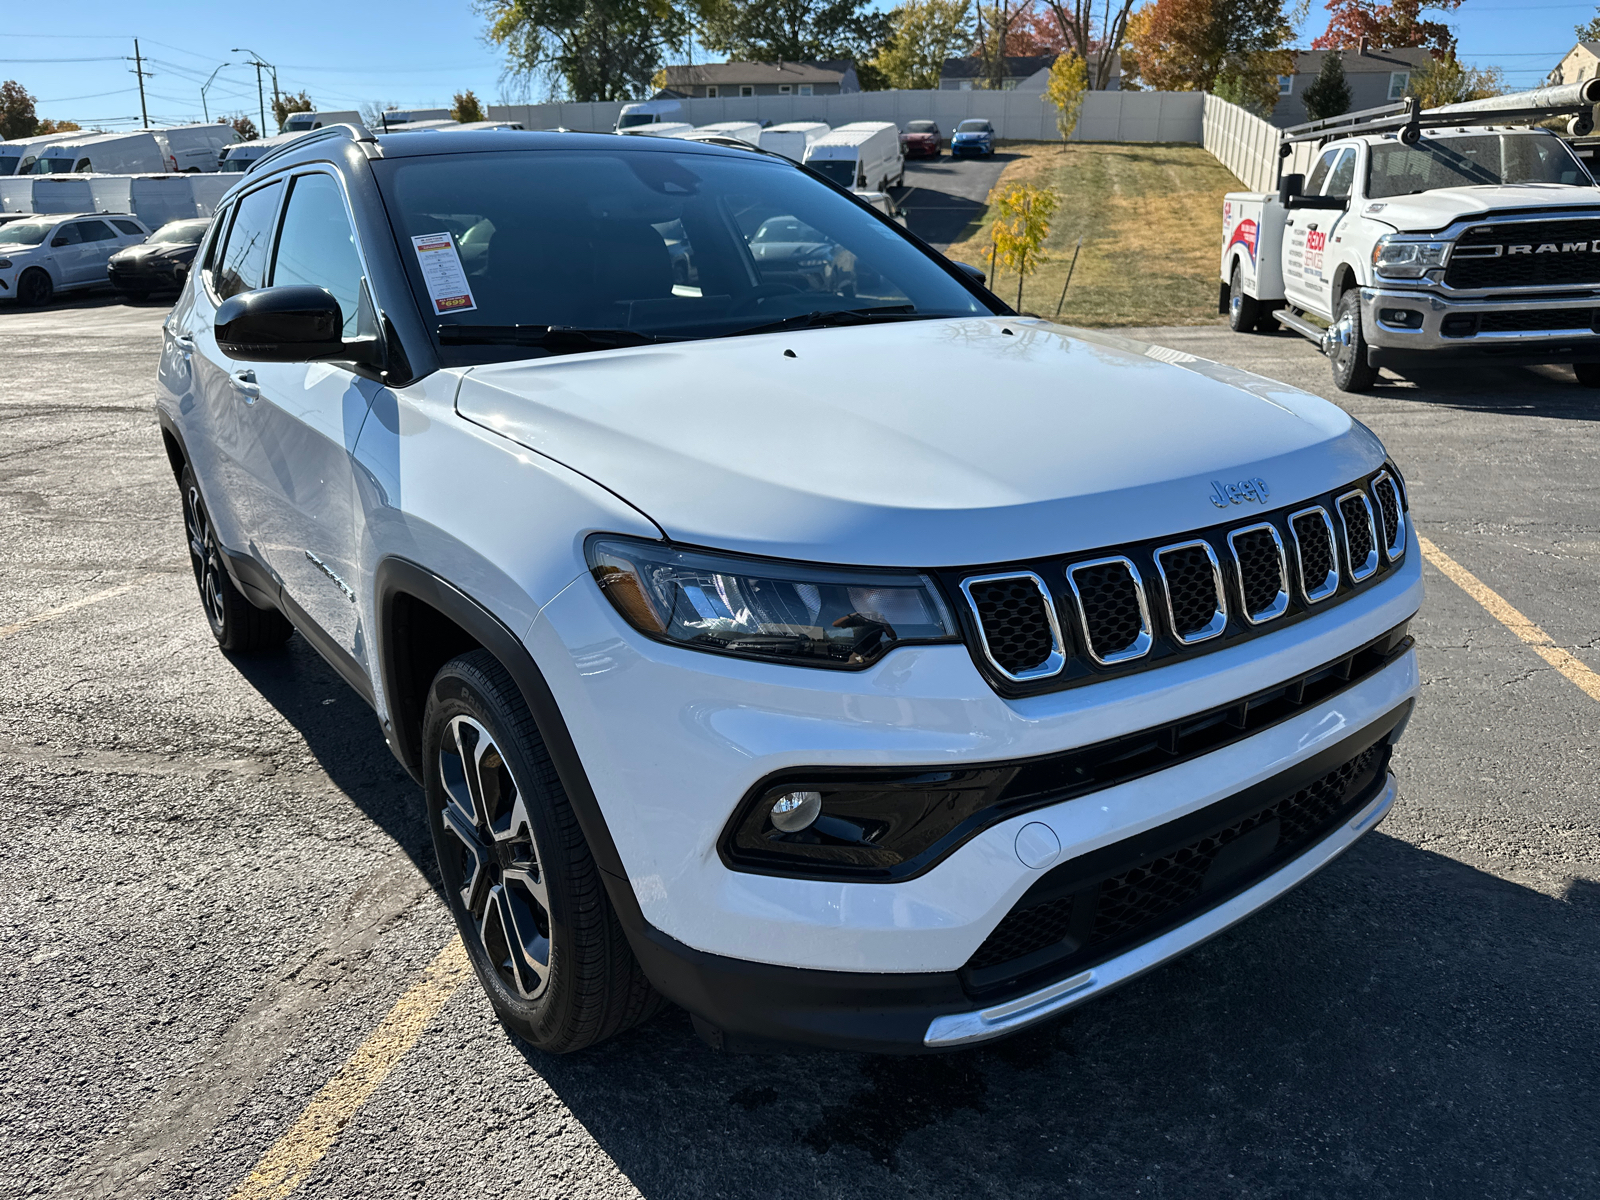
point(258, 63)
point(204, 88)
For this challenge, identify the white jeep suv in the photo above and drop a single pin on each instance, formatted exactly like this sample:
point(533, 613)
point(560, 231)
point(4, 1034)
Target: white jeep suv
point(836, 654)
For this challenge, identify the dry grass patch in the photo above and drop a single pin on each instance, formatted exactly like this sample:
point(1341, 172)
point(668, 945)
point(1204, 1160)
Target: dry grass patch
point(1151, 221)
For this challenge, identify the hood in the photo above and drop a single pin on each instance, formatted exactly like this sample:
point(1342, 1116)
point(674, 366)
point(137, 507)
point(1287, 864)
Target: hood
point(1428, 211)
point(156, 250)
point(924, 444)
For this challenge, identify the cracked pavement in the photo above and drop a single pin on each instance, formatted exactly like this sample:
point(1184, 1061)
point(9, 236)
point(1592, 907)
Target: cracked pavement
point(215, 881)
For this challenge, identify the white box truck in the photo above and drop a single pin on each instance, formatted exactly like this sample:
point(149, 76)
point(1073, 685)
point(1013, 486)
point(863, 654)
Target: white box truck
point(793, 138)
point(864, 156)
point(1427, 239)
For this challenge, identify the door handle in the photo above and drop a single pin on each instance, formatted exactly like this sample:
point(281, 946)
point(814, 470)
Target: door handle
point(1312, 227)
point(245, 381)
point(1290, 223)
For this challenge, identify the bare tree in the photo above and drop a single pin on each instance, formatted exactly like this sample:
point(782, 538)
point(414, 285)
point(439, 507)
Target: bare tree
point(1077, 21)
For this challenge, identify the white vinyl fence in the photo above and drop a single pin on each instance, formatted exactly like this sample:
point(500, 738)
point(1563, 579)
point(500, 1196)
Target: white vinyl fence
point(1017, 116)
point(154, 199)
point(1248, 146)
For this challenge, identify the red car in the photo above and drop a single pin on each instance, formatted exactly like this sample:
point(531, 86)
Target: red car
point(922, 139)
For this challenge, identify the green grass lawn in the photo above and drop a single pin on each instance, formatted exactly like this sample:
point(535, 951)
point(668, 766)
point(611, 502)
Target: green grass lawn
point(1151, 221)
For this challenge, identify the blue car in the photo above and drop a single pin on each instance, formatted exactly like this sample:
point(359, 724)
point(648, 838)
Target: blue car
point(972, 137)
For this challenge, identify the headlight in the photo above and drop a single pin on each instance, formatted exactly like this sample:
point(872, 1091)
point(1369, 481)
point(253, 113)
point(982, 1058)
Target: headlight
point(1406, 259)
point(4, 263)
point(787, 612)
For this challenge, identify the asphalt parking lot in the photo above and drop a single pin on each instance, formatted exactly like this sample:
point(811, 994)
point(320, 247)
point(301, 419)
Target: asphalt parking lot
point(215, 885)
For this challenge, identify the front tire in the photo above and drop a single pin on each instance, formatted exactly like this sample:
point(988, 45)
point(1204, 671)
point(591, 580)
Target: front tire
point(1244, 310)
point(35, 288)
point(522, 886)
point(1347, 347)
point(237, 624)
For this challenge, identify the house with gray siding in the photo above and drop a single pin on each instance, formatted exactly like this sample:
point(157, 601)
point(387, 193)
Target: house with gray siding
point(780, 78)
point(1375, 77)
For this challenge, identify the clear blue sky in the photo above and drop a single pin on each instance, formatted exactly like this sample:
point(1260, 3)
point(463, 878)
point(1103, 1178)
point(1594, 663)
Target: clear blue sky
point(417, 54)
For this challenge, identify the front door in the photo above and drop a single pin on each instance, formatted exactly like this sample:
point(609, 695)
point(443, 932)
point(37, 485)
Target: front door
point(304, 425)
point(1309, 232)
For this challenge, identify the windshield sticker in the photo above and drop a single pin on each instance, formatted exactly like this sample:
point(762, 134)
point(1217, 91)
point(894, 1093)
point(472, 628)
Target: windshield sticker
point(442, 272)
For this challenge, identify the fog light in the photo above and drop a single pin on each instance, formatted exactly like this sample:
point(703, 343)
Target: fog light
point(794, 811)
point(1401, 318)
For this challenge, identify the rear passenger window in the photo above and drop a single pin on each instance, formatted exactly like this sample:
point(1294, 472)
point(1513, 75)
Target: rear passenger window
point(95, 231)
point(243, 266)
point(317, 246)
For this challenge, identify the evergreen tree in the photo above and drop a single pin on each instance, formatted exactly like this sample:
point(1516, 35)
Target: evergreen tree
point(1328, 94)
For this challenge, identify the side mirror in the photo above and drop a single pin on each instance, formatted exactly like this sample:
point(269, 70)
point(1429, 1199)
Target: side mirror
point(58, 241)
point(281, 324)
point(1289, 187)
point(973, 271)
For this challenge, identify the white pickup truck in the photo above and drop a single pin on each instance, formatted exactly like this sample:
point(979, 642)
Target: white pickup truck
point(1424, 247)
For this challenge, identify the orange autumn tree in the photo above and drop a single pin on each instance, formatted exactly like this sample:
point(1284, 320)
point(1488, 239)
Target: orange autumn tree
point(1235, 49)
point(1390, 26)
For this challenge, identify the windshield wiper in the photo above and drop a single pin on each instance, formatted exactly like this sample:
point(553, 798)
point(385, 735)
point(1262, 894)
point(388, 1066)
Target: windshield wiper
point(549, 337)
point(836, 316)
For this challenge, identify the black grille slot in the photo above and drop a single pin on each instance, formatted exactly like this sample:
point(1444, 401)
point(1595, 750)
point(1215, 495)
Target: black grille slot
point(1314, 542)
point(1565, 264)
point(1388, 498)
point(1025, 931)
point(1015, 621)
point(1260, 570)
point(1532, 320)
point(1077, 916)
point(1358, 542)
point(1191, 589)
point(1108, 599)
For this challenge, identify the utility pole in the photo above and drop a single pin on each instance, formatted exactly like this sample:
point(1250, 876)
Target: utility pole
point(257, 62)
point(138, 69)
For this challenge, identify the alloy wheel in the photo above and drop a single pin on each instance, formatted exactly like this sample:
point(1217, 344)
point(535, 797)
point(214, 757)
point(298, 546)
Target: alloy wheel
point(496, 872)
point(205, 557)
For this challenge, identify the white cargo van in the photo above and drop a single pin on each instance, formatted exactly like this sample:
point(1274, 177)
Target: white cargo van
point(745, 131)
point(184, 148)
point(670, 129)
point(305, 122)
point(241, 156)
point(404, 116)
point(864, 156)
point(195, 148)
point(793, 139)
point(648, 112)
point(13, 153)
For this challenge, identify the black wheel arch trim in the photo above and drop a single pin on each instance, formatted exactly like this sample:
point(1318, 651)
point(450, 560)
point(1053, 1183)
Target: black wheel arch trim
point(396, 577)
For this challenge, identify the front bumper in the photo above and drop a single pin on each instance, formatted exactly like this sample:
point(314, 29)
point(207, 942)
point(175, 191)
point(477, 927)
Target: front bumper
point(1452, 328)
point(147, 277)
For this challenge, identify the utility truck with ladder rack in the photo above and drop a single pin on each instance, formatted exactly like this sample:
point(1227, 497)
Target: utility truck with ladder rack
point(1427, 239)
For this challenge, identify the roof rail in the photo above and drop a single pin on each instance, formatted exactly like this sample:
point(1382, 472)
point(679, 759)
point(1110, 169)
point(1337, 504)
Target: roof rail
point(355, 133)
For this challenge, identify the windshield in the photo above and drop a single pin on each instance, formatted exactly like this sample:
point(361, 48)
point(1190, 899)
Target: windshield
point(8, 163)
point(652, 243)
point(841, 171)
point(922, 127)
point(25, 233)
point(629, 120)
point(1480, 160)
point(180, 233)
point(52, 166)
point(973, 127)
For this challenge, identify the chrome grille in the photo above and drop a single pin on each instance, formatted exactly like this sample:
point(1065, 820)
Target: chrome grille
point(1017, 622)
point(1316, 558)
point(1112, 608)
point(1263, 583)
point(1491, 255)
point(1387, 493)
point(1360, 540)
point(1191, 577)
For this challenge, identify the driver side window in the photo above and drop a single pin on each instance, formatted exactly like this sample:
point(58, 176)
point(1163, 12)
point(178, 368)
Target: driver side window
point(243, 262)
point(1342, 175)
point(1319, 175)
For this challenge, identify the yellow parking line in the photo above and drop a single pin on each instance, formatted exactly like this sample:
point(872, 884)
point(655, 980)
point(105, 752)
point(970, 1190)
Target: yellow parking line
point(1543, 644)
point(70, 606)
point(293, 1156)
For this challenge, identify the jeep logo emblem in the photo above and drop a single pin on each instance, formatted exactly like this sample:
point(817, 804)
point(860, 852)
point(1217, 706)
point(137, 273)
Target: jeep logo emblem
point(1224, 494)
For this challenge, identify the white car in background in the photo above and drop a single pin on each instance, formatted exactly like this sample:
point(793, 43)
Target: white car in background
point(53, 252)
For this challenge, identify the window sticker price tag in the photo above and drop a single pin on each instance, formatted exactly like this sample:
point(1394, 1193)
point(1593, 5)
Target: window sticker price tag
point(443, 273)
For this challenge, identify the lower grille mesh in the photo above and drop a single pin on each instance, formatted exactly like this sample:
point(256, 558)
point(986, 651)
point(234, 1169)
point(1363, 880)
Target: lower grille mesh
point(1138, 902)
point(1533, 320)
point(1015, 622)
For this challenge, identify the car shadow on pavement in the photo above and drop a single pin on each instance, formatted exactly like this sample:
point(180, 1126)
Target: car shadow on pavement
point(1402, 1025)
point(342, 734)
